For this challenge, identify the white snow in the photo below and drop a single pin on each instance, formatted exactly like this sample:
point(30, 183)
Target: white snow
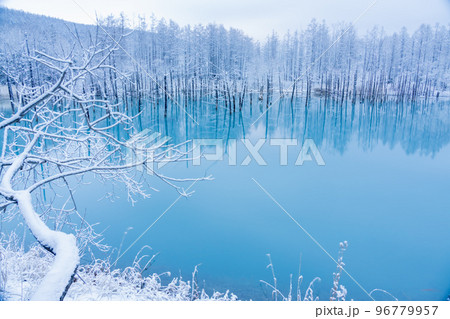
point(63, 245)
point(23, 272)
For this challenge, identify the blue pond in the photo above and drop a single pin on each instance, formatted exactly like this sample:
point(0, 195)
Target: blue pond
point(384, 188)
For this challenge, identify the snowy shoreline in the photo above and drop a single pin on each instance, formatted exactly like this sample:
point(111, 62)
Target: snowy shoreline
point(21, 272)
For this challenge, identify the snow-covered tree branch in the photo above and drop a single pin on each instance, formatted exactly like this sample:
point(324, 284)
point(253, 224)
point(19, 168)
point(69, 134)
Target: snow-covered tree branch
point(61, 131)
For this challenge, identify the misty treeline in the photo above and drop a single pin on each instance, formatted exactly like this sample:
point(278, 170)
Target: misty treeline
point(160, 61)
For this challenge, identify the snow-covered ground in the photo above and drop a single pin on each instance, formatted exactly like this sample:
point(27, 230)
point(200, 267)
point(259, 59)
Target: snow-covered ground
point(22, 271)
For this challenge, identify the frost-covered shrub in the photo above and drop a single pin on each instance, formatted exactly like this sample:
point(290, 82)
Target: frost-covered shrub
point(338, 292)
point(277, 295)
point(21, 272)
point(98, 282)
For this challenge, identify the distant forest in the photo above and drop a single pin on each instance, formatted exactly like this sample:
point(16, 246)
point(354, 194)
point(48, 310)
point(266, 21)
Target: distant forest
point(160, 60)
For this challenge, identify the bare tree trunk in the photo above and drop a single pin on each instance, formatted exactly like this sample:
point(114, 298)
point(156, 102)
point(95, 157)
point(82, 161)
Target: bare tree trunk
point(57, 281)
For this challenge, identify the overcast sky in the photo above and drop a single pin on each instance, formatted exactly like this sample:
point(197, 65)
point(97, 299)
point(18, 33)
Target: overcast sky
point(256, 17)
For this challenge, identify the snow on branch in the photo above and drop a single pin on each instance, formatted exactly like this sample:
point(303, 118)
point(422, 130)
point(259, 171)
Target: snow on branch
point(62, 131)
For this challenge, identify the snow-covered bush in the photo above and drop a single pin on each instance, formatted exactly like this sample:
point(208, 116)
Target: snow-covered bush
point(21, 272)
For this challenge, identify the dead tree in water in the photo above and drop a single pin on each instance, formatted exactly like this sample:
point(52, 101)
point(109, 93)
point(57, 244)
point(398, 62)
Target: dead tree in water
point(165, 95)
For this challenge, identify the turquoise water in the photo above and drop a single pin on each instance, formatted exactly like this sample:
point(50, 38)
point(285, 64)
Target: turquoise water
point(384, 189)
